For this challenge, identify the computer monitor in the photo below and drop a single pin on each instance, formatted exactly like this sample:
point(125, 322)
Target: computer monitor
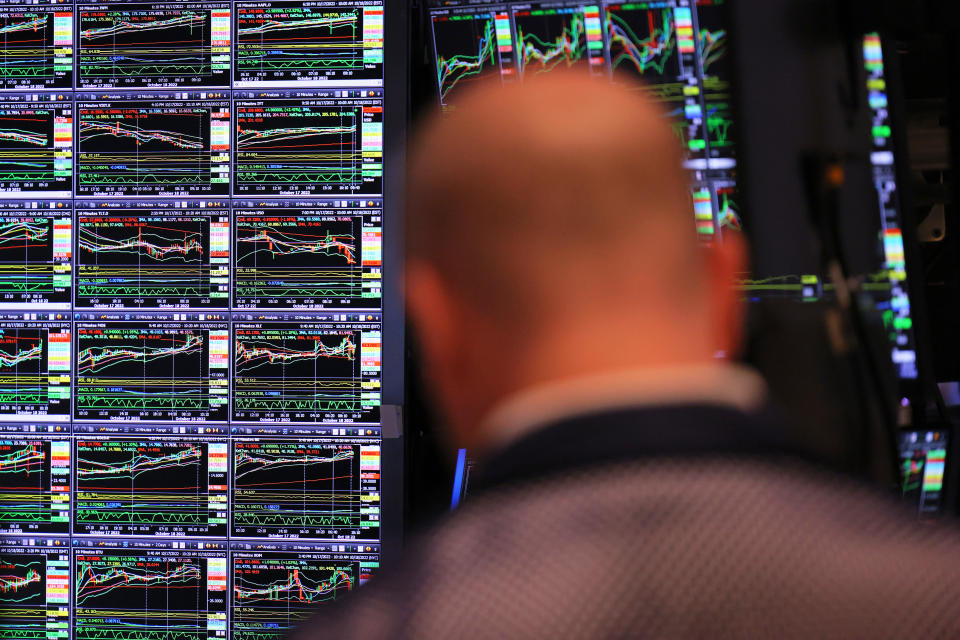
point(923, 460)
point(200, 343)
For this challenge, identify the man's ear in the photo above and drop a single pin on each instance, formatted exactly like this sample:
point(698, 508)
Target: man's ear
point(434, 314)
point(727, 266)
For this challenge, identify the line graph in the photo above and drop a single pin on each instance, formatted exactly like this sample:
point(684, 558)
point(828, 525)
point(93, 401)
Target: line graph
point(719, 123)
point(35, 140)
point(136, 371)
point(14, 583)
point(285, 258)
point(146, 595)
point(643, 42)
point(160, 147)
point(96, 360)
point(23, 361)
point(36, 48)
point(31, 577)
point(306, 489)
point(34, 486)
point(34, 258)
point(293, 147)
point(275, 591)
point(549, 38)
point(161, 487)
point(143, 45)
point(126, 130)
point(153, 260)
point(466, 47)
point(22, 595)
point(282, 43)
point(286, 371)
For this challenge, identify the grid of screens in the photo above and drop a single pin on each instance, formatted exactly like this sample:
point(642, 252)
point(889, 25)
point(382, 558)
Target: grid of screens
point(191, 207)
point(678, 51)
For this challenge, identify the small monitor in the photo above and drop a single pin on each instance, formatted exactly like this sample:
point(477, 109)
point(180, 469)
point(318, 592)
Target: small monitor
point(923, 460)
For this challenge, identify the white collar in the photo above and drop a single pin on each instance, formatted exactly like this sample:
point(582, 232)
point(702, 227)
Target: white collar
point(718, 384)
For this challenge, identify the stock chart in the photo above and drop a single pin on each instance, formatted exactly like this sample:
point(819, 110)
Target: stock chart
point(469, 44)
point(151, 487)
point(317, 145)
point(308, 43)
point(35, 255)
point(674, 50)
point(36, 145)
point(35, 369)
point(149, 594)
point(36, 49)
point(307, 371)
point(551, 37)
point(306, 489)
point(34, 583)
point(193, 200)
point(167, 44)
point(35, 495)
point(152, 370)
point(275, 590)
point(308, 257)
point(153, 256)
point(163, 146)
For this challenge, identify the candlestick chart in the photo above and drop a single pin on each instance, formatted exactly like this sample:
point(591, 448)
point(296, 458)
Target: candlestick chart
point(32, 56)
point(285, 372)
point(30, 161)
point(23, 595)
point(286, 147)
point(306, 261)
point(153, 487)
point(149, 261)
point(550, 39)
point(34, 486)
point(142, 595)
point(32, 269)
point(23, 368)
point(274, 592)
point(137, 371)
point(142, 45)
point(303, 489)
point(152, 149)
point(293, 42)
point(466, 47)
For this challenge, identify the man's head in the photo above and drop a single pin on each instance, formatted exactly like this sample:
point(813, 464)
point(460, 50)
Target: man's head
point(550, 236)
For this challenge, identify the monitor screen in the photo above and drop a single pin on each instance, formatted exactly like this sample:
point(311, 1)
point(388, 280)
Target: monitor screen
point(923, 460)
point(679, 52)
point(675, 50)
point(193, 199)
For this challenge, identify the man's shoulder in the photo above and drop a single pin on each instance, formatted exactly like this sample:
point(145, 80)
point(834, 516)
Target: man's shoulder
point(726, 545)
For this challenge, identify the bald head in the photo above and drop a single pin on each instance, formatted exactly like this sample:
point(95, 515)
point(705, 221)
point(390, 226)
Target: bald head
point(564, 181)
point(550, 235)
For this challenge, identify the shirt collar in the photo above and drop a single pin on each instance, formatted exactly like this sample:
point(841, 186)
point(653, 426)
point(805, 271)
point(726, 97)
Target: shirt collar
point(719, 384)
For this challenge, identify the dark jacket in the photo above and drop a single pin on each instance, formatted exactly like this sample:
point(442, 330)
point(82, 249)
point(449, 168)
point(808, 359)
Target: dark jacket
point(677, 522)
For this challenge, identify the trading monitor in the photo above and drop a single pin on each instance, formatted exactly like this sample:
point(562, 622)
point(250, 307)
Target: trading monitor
point(201, 343)
point(923, 460)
